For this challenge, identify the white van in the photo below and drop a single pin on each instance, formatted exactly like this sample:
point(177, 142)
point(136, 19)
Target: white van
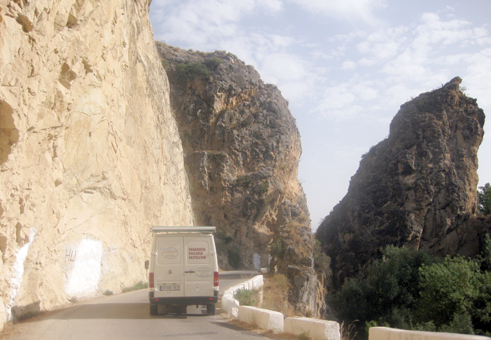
point(183, 269)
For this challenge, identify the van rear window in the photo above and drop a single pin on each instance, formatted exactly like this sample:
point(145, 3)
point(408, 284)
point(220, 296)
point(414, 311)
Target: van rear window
point(169, 252)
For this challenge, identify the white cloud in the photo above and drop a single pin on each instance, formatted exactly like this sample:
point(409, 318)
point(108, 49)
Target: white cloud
point(433, 30)
point(338, 103)
point(271, 5)
point(477, 77)
point(349, 10)
point(199, 22)
point(407, 66)
point(351, 100)
point(367, 62)
point(434, 48)
point(290, 73)
point(383, 44)
point(284, 67)
point(280, 40)
point(454, 59)
point(366, 90)
point(363, 47)
point(398, 94)
point(254, 48)
point(407, 61)
point(296, 91)
point(346, 38)
point(348, 65)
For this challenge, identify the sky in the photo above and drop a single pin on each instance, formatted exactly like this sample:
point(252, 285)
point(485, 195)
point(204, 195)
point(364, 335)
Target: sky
point(345, 67)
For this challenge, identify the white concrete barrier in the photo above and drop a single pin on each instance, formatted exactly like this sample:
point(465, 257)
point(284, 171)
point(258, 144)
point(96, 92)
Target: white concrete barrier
point(266, 319)
point(230, 305)
point(314, 328)
point(385, 333)
point(262, 318)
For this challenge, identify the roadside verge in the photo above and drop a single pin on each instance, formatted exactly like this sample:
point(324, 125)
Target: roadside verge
point(271, 320)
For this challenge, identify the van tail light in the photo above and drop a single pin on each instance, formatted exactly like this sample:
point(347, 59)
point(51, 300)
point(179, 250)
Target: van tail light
point(150, 280)
point(215, 279)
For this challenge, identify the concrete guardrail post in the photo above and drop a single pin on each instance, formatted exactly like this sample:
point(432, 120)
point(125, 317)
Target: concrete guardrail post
point(385, 333)
point(314, 328)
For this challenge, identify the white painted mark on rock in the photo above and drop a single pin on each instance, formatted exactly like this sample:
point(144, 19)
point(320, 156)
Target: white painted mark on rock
point(86, 273)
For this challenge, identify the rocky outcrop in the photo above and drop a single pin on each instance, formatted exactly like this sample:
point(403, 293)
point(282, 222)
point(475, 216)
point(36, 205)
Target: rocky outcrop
point(417, 188)
point(242, 149)
point(90, 155)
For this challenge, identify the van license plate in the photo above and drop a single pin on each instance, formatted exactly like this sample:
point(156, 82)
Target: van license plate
point(170, 288)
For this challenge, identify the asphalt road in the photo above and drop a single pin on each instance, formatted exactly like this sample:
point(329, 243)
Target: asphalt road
point(127, 317)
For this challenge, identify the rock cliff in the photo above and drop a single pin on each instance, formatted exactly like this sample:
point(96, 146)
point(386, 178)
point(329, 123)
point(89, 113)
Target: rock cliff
point(242, 149)
point(90, 155)
point(417, 188)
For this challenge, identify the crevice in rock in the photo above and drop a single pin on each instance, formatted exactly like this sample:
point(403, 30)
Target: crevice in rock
point(9, 135)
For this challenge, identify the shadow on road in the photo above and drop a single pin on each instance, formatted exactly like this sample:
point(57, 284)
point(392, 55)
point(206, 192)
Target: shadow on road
point(236, 328)
point(127, 311)
point(120, 311)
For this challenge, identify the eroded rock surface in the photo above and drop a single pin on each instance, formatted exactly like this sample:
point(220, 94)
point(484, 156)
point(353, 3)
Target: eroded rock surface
point(242, 149)
point(417, 188)
point(90, 155)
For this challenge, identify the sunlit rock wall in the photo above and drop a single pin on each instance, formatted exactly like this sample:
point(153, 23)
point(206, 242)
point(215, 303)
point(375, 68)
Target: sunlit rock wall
point(90, 157)
point(242, 149)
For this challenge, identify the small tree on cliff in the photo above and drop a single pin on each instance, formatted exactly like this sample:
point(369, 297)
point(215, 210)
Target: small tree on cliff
point(484, 199)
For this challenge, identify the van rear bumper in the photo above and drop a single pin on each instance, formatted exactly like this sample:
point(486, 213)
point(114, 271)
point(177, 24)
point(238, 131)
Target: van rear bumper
point(191, 300)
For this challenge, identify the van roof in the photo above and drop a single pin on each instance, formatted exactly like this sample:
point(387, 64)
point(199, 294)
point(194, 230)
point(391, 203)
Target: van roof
point(203, 230)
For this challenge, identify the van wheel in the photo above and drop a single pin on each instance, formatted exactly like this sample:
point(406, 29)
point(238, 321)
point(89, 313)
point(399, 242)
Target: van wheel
point(181, 309)
point(163, 309)
point(154, 309)
point(211, 309)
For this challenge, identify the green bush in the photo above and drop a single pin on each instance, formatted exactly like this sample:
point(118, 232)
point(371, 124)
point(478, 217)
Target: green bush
point(484, 199)
point(137, 286)
point(165, 64)
point(461, 323)
point(388, 294)
point(408, 289)
point(456, 296)
point(447, 289)
point(190, 71)
point(264, 187)
point(276, 249)
point(486, 253)
point(212, 63)
point(246, 297)
point(304, 335)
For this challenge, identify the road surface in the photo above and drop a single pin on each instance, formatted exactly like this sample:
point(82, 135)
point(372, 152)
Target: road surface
point(127, 317)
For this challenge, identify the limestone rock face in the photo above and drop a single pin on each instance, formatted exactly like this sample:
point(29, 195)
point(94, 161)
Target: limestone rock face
point(90, 155)
point(416, 188)
point(242, 149)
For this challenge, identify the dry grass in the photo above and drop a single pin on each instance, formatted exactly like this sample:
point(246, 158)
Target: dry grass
point(348, 332)
point(266, 333)
point(275, 297)
point(275, 294)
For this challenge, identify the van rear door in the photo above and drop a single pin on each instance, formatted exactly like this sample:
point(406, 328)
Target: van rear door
point(168, 269)
point(199, 257)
